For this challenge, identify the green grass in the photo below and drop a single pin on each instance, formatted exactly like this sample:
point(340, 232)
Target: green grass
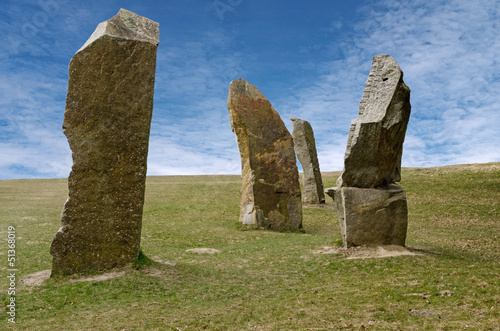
point(264, 280)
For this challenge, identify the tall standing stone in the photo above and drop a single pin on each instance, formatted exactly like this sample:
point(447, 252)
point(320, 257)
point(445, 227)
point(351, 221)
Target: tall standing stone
point(305, 147)
point(107, 120)
point(372, 209)
point(375, 141)
point(270, 189)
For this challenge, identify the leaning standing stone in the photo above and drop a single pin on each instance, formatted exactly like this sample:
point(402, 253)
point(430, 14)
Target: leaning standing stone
point(372, 209)
point(375, 141)
point(305, 147)
point(270, 190)
point(107, 121)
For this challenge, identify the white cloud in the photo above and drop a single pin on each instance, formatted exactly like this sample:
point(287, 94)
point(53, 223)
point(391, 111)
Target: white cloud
point(190, 131)
point(32, 140)
point(171, 159)
point(448, 52)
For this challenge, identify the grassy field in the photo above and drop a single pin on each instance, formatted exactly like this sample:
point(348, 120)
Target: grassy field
point(263, 280)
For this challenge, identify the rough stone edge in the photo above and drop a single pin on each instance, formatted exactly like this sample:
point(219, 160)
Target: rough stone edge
point(124, 15)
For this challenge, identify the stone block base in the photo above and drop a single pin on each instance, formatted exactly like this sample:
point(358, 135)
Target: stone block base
point(371, 216)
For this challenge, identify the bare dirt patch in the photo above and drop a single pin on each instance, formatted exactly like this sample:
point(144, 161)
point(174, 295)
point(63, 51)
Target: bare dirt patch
point(172, 264)
point(203, 250)
point(99, 278)
point(35, 279)
point(38, 278)
point(154, 272)
point(365, 252)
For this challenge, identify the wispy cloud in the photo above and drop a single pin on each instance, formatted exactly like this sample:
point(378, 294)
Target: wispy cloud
point(32, 143)
point(448, 53)
point(190, 130)
point(35, 50)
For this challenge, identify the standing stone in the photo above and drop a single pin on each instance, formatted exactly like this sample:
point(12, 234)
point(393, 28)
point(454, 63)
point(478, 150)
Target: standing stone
point(371, 216)
point(270, 191)
point(375, 141)
point(372, 209)
point(107, 121)
point(305, 147)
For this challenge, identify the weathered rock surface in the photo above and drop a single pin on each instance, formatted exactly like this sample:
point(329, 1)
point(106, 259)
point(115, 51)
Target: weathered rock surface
point(372, 209)
point(371, 216)
point(305, 147)
point(270, 191)
point(375, 141)
point(107, 121)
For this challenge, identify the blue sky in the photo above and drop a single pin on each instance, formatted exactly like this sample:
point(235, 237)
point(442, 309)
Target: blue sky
point(310, 59)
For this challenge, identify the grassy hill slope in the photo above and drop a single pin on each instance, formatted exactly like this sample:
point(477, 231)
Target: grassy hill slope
point(263, 280)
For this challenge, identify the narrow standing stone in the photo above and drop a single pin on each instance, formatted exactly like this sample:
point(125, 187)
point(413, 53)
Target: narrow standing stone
point(372, 209)
point(270, 190)
point(305, 147)
point(107, 121)
point(375, 141)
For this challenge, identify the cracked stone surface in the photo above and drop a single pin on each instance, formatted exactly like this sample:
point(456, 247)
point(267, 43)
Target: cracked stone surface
point(371, 216)
point(372, 209)
point(375, 140)
point(107, 121)
point(305, 147)
point(271, 195)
